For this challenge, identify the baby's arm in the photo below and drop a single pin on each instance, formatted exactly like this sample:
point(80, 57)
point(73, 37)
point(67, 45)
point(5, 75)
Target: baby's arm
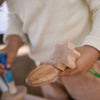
point(13, 38)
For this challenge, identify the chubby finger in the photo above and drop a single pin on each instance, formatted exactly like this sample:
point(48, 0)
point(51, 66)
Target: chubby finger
point(3, 71)
point(2, 66)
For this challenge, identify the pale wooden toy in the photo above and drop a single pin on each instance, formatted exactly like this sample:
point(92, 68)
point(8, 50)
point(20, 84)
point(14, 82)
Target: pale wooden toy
point(42, 75)
point(65, 54)
point(45, 73)
point(21, 92)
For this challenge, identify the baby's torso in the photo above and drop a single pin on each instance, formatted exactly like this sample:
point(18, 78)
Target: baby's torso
point(48, 22)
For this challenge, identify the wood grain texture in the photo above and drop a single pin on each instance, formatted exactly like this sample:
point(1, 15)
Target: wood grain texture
point(19, 96)
point(42, 75)
point(64, 56)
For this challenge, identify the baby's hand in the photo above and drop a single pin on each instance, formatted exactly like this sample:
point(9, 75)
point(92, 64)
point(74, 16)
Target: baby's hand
point(88, 56)
point(11, 55)
point(12, 45)
point(2, 69)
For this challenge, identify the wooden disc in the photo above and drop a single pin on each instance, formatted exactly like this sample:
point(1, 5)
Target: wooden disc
point(22, 90)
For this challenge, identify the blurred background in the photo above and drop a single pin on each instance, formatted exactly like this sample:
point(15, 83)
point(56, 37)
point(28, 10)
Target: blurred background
point(23, 64)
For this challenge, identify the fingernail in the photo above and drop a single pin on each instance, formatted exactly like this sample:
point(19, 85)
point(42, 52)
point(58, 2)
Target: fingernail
point(2, 66)
point(8, 65)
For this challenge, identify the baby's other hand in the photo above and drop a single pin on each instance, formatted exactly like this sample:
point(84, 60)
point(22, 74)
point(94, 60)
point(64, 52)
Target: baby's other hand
point(88, 56)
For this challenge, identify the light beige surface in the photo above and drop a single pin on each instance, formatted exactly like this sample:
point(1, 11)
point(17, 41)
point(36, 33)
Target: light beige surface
point(32, 97)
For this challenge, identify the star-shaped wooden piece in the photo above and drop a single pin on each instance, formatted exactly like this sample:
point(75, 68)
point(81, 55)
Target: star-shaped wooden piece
point(65, 55)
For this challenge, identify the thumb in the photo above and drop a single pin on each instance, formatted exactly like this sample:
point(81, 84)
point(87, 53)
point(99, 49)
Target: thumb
point(10, 59)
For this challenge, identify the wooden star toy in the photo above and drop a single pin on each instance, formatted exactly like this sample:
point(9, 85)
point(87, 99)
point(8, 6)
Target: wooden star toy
point(64, 56)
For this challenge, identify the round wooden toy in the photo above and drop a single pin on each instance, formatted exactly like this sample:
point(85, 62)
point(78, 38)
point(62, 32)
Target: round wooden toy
point(22, 90)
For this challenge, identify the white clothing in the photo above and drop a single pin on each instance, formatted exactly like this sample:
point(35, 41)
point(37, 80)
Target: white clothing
point(49, 22)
